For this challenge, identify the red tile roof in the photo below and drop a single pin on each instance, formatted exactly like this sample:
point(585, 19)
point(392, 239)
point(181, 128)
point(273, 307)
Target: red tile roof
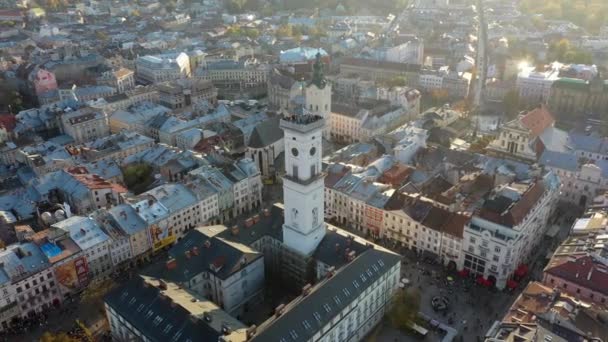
point(584, 271)
point(537, 120)
point(396, 175)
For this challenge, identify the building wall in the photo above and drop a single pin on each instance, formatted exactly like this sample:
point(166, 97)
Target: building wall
point(345, 128)
point(514, 142)
point(140, 242)
point(575, 289)
point(364, 312)
point(99, 259)
point(577, 101)
point(264, 157)
point(36, 292)
point(499, 254)
point(87, 130)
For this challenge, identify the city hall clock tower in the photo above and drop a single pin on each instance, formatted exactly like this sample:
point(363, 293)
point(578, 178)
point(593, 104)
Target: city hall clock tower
point(303, 184)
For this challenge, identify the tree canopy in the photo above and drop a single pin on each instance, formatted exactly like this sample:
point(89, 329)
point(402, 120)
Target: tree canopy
point(405, 309)
point(589, 14)
point(563, 51)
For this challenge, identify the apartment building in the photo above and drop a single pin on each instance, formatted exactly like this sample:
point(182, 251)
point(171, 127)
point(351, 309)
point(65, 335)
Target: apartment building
point(502, 236)
point(161, 68)
point(85, 124)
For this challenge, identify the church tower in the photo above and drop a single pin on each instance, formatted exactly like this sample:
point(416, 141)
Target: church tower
point(303, 184)
point(318, 95)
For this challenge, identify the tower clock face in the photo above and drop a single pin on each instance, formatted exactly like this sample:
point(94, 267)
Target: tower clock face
point(294, 152)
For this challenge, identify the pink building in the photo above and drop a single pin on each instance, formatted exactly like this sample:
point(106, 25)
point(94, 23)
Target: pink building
point(43, 81)
point(583, 276)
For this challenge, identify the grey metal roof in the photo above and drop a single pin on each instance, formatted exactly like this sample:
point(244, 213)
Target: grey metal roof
point(266, 133)
point(226, 258)
point(155, 317)
point(305, 316)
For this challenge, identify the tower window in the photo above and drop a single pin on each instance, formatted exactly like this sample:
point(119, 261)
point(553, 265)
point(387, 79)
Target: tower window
point(294, 172)
point(313, 170)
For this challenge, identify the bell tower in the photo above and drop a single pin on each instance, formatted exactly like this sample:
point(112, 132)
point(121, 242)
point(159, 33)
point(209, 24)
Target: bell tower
point(303, 184)
point(318, 95)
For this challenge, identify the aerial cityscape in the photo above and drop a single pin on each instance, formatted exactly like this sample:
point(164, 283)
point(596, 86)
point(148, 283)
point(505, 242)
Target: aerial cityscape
point(304, 170)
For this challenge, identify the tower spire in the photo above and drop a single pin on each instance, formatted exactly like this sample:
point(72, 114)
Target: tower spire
point(318, 78)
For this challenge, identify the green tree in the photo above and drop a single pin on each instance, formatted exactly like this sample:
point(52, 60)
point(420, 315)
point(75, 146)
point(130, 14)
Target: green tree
point(138, 177)
point(10, 99)
point(404, 310)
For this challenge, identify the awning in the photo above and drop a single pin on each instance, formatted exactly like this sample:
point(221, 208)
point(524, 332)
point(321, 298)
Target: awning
point(521, 270)
point(512, 284)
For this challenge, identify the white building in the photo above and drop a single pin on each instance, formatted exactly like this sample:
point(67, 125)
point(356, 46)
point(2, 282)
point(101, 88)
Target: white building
point(28, 284)
point(85, 124)
point(580, 182)
point(507, 229)
point(161, 68)
point(304, 226)
point(534, 85)
point(521, 137)
point(411, 52)
point(170, 210)
point(92, 241)
point(363, 121)
point(412, 140)
point(430, 80)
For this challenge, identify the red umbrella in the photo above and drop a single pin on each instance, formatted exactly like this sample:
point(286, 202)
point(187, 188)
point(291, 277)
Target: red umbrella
point(512, 284)
point(481, 280)
point(463, 273)
point(521, 270)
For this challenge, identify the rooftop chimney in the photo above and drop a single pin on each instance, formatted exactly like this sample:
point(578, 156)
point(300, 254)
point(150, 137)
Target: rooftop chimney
point(171, 264)
point(330, 271)
point(162, 285)
point(306, 290)
point(256, 218)
point(207, 244)
point(226, 329)
point(195, 250)
point(249, 222)
point(188, 254)
point(234, 230)
point(266, 212)
point(251, 332)
point(350, 256)
point(279, 310)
